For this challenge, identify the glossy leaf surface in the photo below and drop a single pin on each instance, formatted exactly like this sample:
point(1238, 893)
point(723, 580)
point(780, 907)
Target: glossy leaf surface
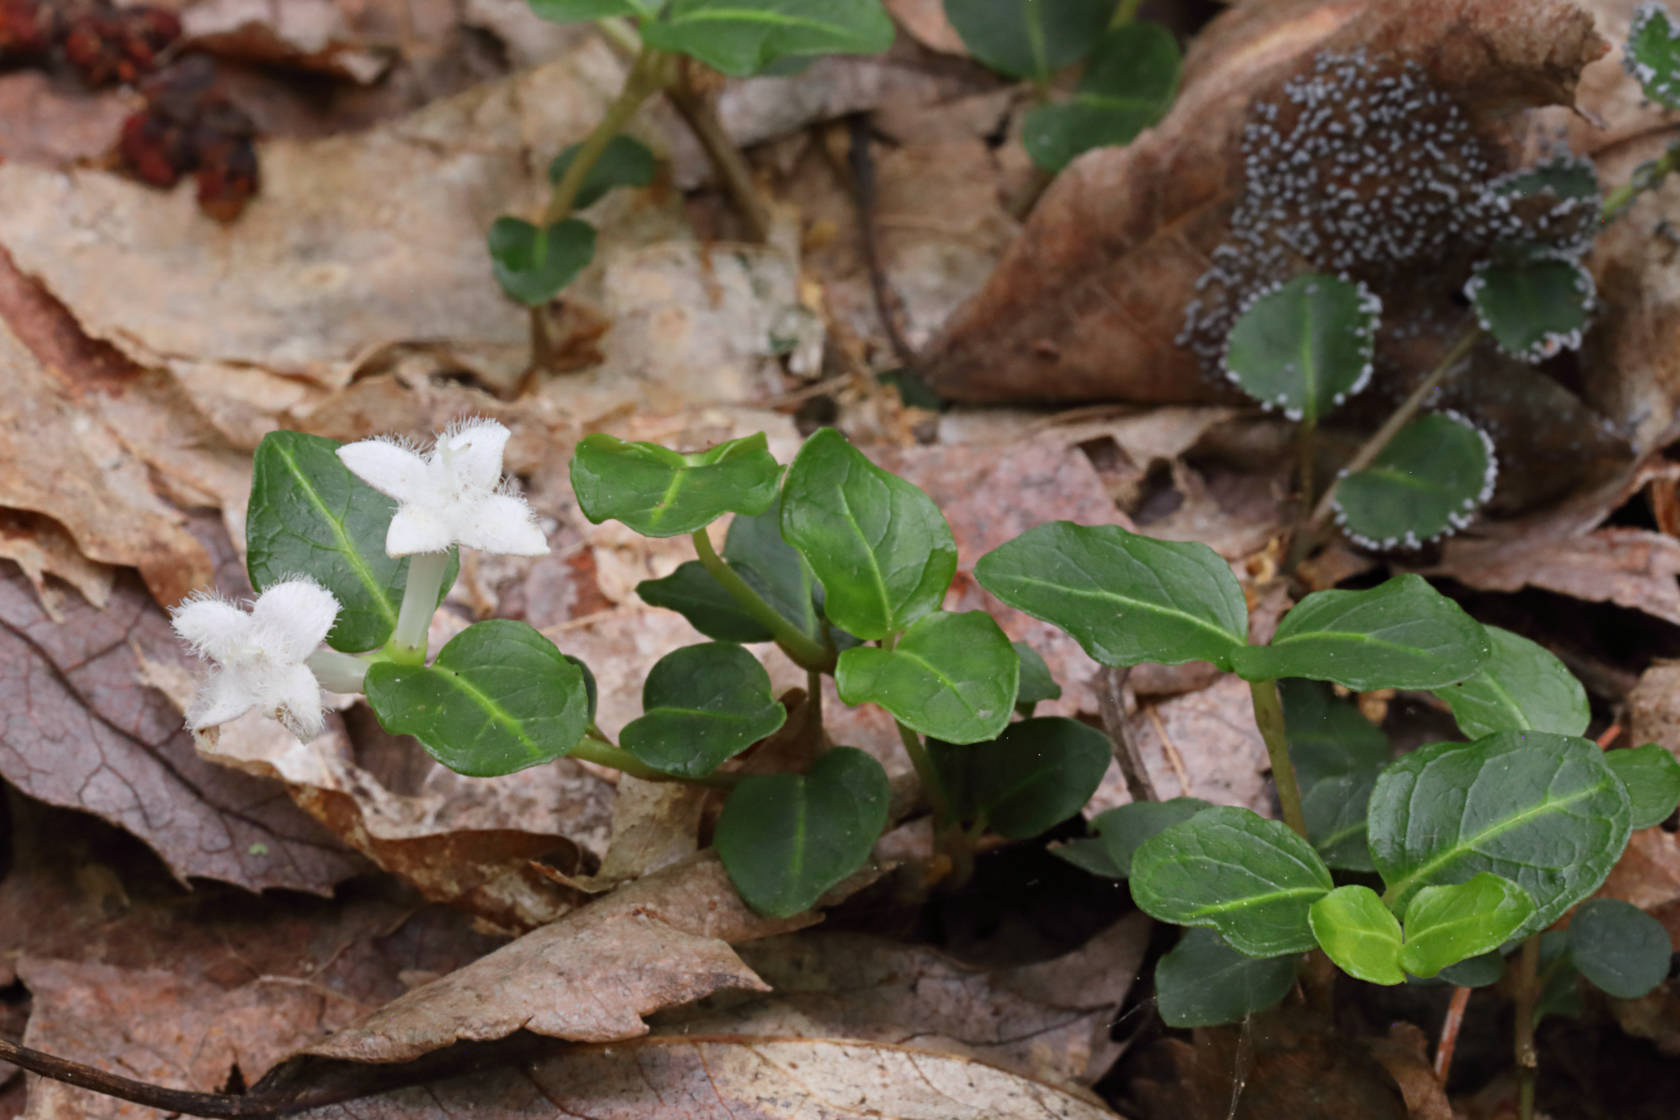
point(1535, 308)
point(1651, 776)
point(532, 264)
point(1619, 948)
point(693, 593)
point(1521, 687)
point(745, 37)
point(663, 493)
point(1128, 85)
point(1306, 347)
point(951, 676)
point(1357, 931)
point(1203, 982)
point(1426, 484)
point(1122, 830)
point(1449, 924)
point(701, 706)
point(1034, 776)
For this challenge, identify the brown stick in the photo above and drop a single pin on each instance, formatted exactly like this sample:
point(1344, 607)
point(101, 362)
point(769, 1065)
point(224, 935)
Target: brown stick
point(1449, 1033)
point(697, 112)
point(1111, 703)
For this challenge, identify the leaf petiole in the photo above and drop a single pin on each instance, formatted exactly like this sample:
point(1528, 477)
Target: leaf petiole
point(597, 748)
point(802, 648)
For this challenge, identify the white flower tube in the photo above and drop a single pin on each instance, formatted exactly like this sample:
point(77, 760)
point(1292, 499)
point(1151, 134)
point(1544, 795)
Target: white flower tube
point(259, 656)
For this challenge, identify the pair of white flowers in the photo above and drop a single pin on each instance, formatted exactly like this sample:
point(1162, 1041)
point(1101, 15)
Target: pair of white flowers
point(453, 495)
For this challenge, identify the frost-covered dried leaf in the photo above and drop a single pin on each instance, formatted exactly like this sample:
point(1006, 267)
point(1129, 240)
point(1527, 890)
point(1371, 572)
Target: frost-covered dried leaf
point(82, 729)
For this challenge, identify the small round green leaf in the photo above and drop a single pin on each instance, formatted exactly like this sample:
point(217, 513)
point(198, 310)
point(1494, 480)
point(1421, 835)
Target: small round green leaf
point(1029, 38)
point(701, 706)
point(662, 493)
point(533, 264)
point(625, 162)
point(1230, 869)
point(1533, 308)
point(1521, 687)
point(1356, 931)
point(1651, 776)
point(1652, 54)
point(1399, 634)
point(499, 698)
point(1304, 347)
point(787, 838)
point(1542, 810)
point(1034, 776)
point(1128, 85)
point(1126, 599)
point(693, 593)
point(1426, 484)
point(1203, 982)
point(308, 515)
point(1122, 830)
point(951, 676)
point(588, 11)
point(745, 37)
point(1037, 685)
point(1619, 948)
point(880, 547)
point(1449, 924)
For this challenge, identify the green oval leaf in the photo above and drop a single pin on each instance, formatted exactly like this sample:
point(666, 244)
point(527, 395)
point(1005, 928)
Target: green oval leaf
point(745, 37)
point(1651, 776)
point(1426, 484)
point(693, 593)
point(533, 264)
point(951, 676)
point(1356, 931)
point(663, 493)
point(1304, 347)
point(1126, 599)
point(1029, 38)
point(499, 698)
point(1652, 54)
point(308, 515)
point(1533, 308)
point(770, 566)
point(1037, 685)
point(1542, 810)
point(1121, 831)
point(1399, 634)
point(1521, 687)
point(1334, 810)
point(1230, 869)
point(625, 162)
point(1449, 924)
point(1128, 85)
point(879, 545)
point(1034, 776)
point(787, 838)
point(701, 706)
point(1203, 982)
point(588, 11)
point(1619, 948)
point(1337, 755)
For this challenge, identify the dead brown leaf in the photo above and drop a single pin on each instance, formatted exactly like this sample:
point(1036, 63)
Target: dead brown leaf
point(48, 121)
point(1632, 568)
point(925, 19)
point(1405, 1054)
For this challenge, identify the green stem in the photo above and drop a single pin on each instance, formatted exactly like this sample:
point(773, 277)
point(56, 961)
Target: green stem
point(648, 75)
point(1647, 176)
point(1125, 13)
point(618, 31)
point(337, 672)
point(597, 748)
point(420, 599)
point(1528, 994)
point(1399, 418)
point(1306, 445)
point(805, 650)
point(1268, 716)
point(928, 776)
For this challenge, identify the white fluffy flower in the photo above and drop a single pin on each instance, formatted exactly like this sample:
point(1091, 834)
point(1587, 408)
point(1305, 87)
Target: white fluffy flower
point(259, 656)
point(452, 495)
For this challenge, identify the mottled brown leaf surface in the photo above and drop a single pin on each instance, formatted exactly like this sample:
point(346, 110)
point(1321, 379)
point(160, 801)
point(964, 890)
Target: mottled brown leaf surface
point(79, 728)
point(1631, 568)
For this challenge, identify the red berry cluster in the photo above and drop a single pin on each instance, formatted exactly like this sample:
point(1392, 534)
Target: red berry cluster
point(187, 126)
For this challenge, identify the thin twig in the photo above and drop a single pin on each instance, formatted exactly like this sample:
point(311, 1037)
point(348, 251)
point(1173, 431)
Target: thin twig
point(1111, 704)
point(1528, 995)
point(702, 120)
point(863, 193)
point(1449, 1033)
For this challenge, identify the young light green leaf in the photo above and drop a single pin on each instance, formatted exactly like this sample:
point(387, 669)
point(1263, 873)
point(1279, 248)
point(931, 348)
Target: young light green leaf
point(1533, 308)
point(1250, 878)
point(1034, 776)
point(662, 493)
point(693, 593)
point(701, 706)
point(1521, 687)
point(745, 37)
point(1126, 599)
point(1356, 931)
point(951, 676)
point(1399, 634)
point(533, 264)
point(1652, 54)
point(1651, 776)
point(308, 515)
point(499, 698)
point(1037, 685)
point(1203, 982)
point(879, 545)
point(1426, 484)
point(1306, 346)
point(787, 838)
point(625, 162)
point(1542, 810)
point(588, 11)
point(1449, 924)
point(1121, 831)
point(1619, 948)
point(1128, 85)
point(1029, 38)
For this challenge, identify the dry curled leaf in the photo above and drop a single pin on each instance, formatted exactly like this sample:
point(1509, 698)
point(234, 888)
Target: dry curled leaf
point(1632, 568)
